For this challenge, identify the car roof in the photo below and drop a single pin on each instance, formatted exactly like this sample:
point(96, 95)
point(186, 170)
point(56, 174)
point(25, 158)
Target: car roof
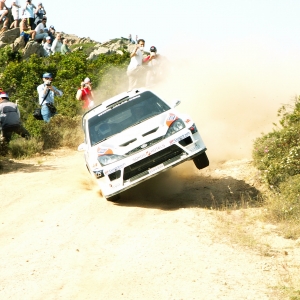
point(111, 101)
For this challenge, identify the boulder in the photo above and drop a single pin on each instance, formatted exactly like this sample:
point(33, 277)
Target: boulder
point(10, 35)
point(18, 44)
point(2, 45)
point(33, 47)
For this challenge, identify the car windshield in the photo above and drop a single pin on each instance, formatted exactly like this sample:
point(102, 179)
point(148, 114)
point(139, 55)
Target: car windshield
point(124, 115)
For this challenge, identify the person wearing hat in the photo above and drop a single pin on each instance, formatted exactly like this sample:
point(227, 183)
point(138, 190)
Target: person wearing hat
point(10, 120)
point(85, 94)
point(40, 13)
point(47, 92)
point(47, 46)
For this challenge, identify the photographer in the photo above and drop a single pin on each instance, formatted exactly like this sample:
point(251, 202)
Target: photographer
point(10, 121)
point(46, 93)
point(40, 13)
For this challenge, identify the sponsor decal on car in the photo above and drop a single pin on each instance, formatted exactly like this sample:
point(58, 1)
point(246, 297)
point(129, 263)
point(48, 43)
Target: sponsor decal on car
point(114, 169)
point(149, 152)
point(104, 151)
point(179, 138)
point(170, 119)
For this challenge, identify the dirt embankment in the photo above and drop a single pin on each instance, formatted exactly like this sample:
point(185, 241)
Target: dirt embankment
point(166, 239)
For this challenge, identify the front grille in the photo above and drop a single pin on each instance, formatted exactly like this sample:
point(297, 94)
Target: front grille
point(150, 143)
point(164, 156)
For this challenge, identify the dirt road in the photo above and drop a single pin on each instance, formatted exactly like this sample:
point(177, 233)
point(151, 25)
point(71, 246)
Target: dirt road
point(61, 240)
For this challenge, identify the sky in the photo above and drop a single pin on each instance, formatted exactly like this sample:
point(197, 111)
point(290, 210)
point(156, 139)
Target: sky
point(235, 62)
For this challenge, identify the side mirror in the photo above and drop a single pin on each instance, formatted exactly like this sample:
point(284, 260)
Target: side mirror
point(82, 147)
point(175, 103)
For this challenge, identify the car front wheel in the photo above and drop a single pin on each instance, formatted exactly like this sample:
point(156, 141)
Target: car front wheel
point(201, 161)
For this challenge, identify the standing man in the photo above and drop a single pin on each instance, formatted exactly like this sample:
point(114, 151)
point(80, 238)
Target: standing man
point(46, 93)
point(28, 13)
point(15, 5)
point(135, 70)
point(10, 119)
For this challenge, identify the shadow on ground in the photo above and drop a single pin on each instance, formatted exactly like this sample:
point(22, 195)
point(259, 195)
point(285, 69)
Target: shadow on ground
point(172, 190)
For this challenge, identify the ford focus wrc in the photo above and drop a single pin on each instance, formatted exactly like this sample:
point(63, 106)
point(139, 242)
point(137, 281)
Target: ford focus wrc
point(134, 136)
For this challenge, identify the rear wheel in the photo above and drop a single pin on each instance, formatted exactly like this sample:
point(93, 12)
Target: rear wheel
point(114, 198)
point(201, 161)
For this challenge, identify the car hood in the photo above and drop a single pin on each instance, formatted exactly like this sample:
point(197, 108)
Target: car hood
point(138, 137)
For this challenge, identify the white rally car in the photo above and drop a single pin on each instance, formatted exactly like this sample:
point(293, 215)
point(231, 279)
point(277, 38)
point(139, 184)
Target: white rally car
point(134, 136)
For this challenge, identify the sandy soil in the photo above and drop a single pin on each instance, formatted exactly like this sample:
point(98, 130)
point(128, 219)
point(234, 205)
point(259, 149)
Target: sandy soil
point(164, 240)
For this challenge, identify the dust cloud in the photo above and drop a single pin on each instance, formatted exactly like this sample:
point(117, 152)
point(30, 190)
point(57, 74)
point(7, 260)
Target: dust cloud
point(233, 94)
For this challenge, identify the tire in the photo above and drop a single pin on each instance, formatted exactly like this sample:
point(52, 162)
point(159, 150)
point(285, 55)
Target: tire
point(201, 161)
point(114, 198)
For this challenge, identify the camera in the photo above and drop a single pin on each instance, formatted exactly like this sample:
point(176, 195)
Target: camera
point(48, 82)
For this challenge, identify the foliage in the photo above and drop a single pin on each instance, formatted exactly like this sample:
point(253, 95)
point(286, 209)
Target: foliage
point(277, 153)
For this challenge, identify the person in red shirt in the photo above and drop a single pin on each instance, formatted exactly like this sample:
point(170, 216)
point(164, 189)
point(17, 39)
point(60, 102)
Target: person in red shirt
point(85, 94)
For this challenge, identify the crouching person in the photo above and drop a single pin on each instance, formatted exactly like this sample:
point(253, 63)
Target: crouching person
point(10, 119)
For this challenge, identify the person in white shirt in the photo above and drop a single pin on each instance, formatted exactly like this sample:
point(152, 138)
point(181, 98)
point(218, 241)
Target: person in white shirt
point(135, 70)
point(56, 45)
point(47, 46)
point(40, 30)
point(15, 5)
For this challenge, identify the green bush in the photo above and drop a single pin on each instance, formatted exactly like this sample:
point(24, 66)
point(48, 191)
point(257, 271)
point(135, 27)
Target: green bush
point(277, 154)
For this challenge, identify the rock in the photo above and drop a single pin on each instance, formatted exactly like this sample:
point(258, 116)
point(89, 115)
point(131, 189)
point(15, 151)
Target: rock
point(33, 47)
point(18, 44)
point(9, 36)
point(2, 45)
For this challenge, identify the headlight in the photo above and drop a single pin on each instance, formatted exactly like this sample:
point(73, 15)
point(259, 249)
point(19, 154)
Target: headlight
point(175, 127)
point(105, 160)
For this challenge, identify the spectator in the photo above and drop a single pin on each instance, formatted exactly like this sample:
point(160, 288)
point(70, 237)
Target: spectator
point(64, 48)
point(15, 5)
point(3, 10)
point(153, 62)
point(86, 96)
point(135, 70)
point(51, 33)
point(3, 16)
point(40, 13)
point(41, 30)
point(46, 93)
point(28, 12)
point(25, 30)
point(136, 39)
point(130, 38)
point(10, 119)
point(47, 46)
point(56, 45)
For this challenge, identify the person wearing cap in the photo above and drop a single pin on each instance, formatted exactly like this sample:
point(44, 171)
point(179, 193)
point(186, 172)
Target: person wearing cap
point(47, 46)
point(40, 13)
point(10, 120)
point(57, 43)
point(87, 95)
point(15, 5)
point(41, 30)
point(28, 13)
point(64, 48)
point(47, 92)
point(135, 69)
